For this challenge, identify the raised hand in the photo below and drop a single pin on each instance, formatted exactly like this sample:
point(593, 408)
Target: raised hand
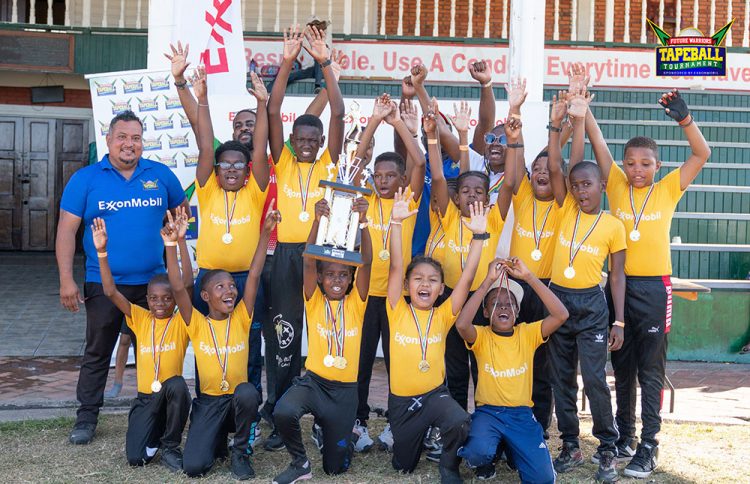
point(407, 88)
point(462, 116)
point(394, 115)
point(169, 231)
point(382, 107)
point(418, 75)
point(322, 209)
point(516, 268)
point(401, 201)
point(410, 116)
point(292, 43)
point(480, 72)
point(337, 57)
point(578, 102)
point(478, 221)
point(577, 77)
point(318, 48)
point(360, 206)
point(495, 270)
point(513, 130)
point(429, 124)
point(273, 217)
point(178, 60)
point(559, 108)
point(181, 222)
point(259, 89)
point(99, 234)
point(674, 105)
point(516, 90)
point(198, 80)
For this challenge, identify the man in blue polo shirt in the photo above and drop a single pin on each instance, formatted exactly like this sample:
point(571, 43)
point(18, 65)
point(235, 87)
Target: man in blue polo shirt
point(131, 194)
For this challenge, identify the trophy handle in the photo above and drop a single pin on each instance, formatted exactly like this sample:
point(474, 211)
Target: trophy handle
point(323, 225)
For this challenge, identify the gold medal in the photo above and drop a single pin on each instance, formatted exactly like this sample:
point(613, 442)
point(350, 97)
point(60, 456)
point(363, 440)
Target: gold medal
point(339, 362)
point(227, 238)
point(424, 366)
point(304, 217)
point(635, 235)
point(536, 255)
point(156, 386)
point(569, 272)
point(328, 361)
point(224, 386)
point(384, 254)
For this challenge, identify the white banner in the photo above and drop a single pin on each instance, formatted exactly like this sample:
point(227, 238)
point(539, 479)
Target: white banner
point(448, 62)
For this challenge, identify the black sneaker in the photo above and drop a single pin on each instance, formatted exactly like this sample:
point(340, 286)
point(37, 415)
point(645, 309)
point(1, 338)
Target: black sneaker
point(485, 472)
point(607, 471)
point(274, 443)
point(294, 474)
point(644, 462)
point(82, 434)
point(241, 468)
point(626, 450)
point(450, 476)
point(172, 459)
point(570, 457)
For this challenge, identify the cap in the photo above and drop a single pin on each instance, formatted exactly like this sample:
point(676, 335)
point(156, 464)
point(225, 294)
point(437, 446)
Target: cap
point(318, 22)
point(514, 287)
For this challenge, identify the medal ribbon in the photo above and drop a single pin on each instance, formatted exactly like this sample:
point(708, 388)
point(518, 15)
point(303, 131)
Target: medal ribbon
point(574, 252)
point(384, 229)
point(637, 216)
point(498, 183)
point(461, 241)
point(538, 233)
point(157, 361)
point(435, 241)
point(223, 364)
point(227, 213)
point(337, 333)
point(303, 193)
point(423, 337)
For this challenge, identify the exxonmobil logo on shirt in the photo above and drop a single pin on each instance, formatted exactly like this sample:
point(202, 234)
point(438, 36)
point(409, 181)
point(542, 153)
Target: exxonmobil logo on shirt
point(404, 340)
point(116, 205)
point(212, 351)
point(509, 373)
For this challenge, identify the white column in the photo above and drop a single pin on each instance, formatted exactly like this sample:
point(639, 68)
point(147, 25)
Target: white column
point(574, 20)
point(487, 19)
point(643, 22)
point(452, 30)
point(347, 17)
point(400, 27)
point(746, 29)
point(526, 45)
point(162, 20)
point(626, 32)
point(382, 17)
point(729, 19)
point(712, 18)
point(696, 7)
point(609, 17)
point(365, 25)
point(556, 32)
point(417, 22)
point(470, 26)
point(121, 21)
point(661, 14)
point(505, 19)
point(32, 12)
point(592, 15)
point(86, 16)
point(49, 13)
point(678, 20)
point(67, 12)
point(277, 22)
point(259, 25)
point(14, 13)
point(104, 13)
point(435, 30)
point(294, 13)
point(138, 15)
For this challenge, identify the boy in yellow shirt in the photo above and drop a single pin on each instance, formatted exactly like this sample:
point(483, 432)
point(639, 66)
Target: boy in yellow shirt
point(418, 398)
point(328, 389)
point(645, 207)
point(298, 174)
point(159, 412)
point(227, 402)
point(505, 353)
point(585, 239)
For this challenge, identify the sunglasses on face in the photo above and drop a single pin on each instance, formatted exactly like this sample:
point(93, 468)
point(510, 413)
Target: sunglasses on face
point(237, 165)
point(490, 138)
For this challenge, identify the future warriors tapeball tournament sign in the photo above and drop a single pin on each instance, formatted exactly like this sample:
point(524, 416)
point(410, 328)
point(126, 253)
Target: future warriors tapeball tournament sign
point(691, 53)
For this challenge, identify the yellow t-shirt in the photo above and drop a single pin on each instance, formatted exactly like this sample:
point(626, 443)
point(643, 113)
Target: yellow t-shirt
point(406, 378)
point(211, 251)
point(608, 237)
point(522, 241)
point(435, 246)
point(457, 243)
point(209, 365)
point(650, 255)
point(289, 172)
point(171, 350)
point(319, 334)
point(378, 228)
point(506, 365)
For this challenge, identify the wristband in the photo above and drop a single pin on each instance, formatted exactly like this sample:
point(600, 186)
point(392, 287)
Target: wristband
point(101, 255)
point(688, 123)
point(619, 324)
point(514, 115)
point(487, 84)
point(552, 128)
point(326, 63)
point(463, 147)
point(203, 105)
point(484, 236)
point(395, 223)
point(364, 225)
point(170, 244)
point(180, 85)
point(431, 141)
point(514, 145)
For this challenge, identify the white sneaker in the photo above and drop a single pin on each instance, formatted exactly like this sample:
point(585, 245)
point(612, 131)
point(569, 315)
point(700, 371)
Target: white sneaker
point(363, 441)
point(386, 439)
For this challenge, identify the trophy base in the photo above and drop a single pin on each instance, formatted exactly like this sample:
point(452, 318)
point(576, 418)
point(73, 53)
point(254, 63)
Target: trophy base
point(333, 254)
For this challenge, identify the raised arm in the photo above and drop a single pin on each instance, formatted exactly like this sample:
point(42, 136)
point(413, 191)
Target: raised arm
point(410, 115)
point(382, 106)
point(205, 129)
point(578, 106)
point(65, 249)
point(407, 106)
point(169, 233)
point(292, 48)
point(513, 151)
point(675, 107)
point(598, 145)
point(261, 170)
point(309, 267)
point(362, 282)
point(481, 73)
point(322, 55)
point(554, 164)
point(478, 226)
point(320, 101)
point(460, 120)
point(399, 213)
point(182, 222)
point(178, 58)
point(439, 185)
point(99, 234)
point(273, 217)
point(465, 320)
point(415, 169)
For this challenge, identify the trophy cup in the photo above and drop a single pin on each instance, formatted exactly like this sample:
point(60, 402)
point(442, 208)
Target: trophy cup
point(337, 234)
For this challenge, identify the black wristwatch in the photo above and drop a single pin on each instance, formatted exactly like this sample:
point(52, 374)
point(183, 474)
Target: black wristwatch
point(484, 236)
point(326, 63)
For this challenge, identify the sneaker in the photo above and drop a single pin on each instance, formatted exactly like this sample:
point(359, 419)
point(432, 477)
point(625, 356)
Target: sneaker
point(317, 436)
point(172, 459)
point(626, 450)
point(294, 474)
point(363, 441)
point(113, 392)
point(254, 440)
point(274, 443)
point(450, 476)
point(570, 457)
point(385, 439)
point(644, 462)
point(82, 433)
point(607, 471)
point(485, 472)
point(241, 468)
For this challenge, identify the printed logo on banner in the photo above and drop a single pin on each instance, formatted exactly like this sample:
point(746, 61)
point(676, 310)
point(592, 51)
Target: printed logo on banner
point(190, 159)
point(120, 106)
point(170, 161)
point(152, 144)
point(172, 102)
point(179, 141)
point(105, 88)
point(104, 128)
point(130, 86)
point(163, 123)
point(158, 83)
point(148, 104)
point(184, 121)
point(691, 53)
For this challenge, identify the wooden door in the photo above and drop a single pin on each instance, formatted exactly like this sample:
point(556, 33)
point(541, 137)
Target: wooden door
point(11, 169)
point(38, 185)
point(72, 154)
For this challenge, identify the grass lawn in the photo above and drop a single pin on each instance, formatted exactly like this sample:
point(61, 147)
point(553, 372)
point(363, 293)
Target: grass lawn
point(38, 451)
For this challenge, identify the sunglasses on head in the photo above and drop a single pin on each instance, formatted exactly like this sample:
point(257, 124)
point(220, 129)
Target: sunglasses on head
point(237, 165)
point(490, 138)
